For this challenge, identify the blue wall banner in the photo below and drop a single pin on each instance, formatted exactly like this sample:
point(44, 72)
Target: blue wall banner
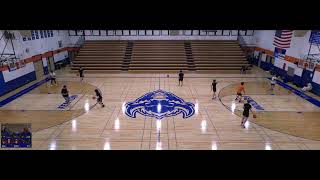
point(279, 53)
point(315, 37)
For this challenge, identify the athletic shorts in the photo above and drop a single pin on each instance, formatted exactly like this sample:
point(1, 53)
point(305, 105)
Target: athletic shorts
point(214, 90)
point(239, 94)
point(180, 79)
point(99, 99)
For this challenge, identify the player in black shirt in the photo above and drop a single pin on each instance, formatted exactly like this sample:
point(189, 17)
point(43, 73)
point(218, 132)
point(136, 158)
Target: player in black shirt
point(245, 114)
point(65, 94)
point(181, 77)
point(81, 73)
point(99, 97)
point(214, 88)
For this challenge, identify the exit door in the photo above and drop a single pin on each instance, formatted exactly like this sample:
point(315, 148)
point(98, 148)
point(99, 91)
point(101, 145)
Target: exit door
point(50, 62)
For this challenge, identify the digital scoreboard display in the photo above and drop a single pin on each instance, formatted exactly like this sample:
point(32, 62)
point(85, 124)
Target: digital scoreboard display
point(16, 136)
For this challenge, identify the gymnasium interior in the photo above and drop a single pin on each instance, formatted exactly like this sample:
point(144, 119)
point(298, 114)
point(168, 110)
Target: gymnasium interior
point(137, 73)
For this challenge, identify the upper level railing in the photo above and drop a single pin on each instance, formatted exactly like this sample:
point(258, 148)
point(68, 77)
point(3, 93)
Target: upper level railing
point(160, 32)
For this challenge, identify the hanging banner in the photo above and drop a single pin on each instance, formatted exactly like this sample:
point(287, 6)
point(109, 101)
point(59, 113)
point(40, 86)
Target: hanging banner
point(315, 37)
point(279, 53)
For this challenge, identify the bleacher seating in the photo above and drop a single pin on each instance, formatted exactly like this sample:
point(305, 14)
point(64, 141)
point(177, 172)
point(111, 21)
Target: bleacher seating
point(155, 56)
point(158, 56)
point(219, 56)
point(100, 56)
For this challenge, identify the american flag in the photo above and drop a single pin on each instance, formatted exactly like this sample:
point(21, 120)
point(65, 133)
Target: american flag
point(282, 38)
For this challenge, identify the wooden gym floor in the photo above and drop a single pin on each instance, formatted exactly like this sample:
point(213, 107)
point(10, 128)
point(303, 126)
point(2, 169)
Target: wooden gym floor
point(215, 125)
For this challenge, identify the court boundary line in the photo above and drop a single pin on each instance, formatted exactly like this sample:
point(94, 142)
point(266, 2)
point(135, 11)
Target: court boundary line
point(22, 92)
point(228, 108)
point(299, 93)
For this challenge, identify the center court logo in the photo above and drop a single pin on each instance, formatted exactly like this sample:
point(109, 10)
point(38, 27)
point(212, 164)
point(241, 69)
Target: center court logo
point(159, 104)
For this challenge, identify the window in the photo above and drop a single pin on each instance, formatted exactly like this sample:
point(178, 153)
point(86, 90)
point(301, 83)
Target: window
point(45, 34)
point(187, 32)
point(234, 32)
point(142, 32)
point(126, 32)
point(156, 32)
point(219, 33)
point(165, 32)
point(51, 33)
point(103, 32)
point(149, 33)
point(226, 32)
point(33, 35)
point(37, 34)
point(118, 32)
point(203, 33)
point(249, 32)
point(133, 32)
point(60, 44)
point(96, 32)
point(211, 32)
point(110, 32)
point(242, 32)
point(195, 32)
point(41, 34)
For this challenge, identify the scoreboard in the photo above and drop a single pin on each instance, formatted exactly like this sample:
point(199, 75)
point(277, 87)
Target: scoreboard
point(16, 136)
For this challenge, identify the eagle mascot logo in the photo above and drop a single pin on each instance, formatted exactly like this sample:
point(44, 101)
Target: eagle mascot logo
point(159, 104)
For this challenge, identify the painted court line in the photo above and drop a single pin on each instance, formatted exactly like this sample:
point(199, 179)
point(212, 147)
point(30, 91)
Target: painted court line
point(253, 103)
point(22, 92)
point(299, 93)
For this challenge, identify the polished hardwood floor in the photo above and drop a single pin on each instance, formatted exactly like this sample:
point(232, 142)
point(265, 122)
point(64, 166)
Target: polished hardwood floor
point(287, 122)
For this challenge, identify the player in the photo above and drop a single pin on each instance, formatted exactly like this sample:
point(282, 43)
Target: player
point(243, 69)
point(307, 88)
point(99, 97)
point(181, 77)
point(239, 91)
point(273, 82)
point(81, 73)
point(214, 88)
point(65, 94)
point(245, 114)
point(53, 78)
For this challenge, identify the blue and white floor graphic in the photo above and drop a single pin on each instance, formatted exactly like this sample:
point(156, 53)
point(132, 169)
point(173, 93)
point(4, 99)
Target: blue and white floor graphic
point(253, 103)
point(159, 104)
point(65, 104)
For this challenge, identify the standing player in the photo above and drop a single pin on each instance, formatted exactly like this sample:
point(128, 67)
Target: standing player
point(239, 91)
point(99, 97)
point(81, 73)
point(181, 77)
point(65, 94)
point(273, 82)
point(245, 114)
point(214, 88)
point(53, 78)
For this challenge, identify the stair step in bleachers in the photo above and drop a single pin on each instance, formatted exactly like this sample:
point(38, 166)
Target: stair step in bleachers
point(160, 56)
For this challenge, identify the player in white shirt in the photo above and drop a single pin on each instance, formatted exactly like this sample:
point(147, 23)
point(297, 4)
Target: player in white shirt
point(273, 82)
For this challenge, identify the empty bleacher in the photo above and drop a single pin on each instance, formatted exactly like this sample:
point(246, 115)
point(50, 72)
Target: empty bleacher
point(158, 56)
point(163, 56)
point(100, 56)
point(219, 56)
